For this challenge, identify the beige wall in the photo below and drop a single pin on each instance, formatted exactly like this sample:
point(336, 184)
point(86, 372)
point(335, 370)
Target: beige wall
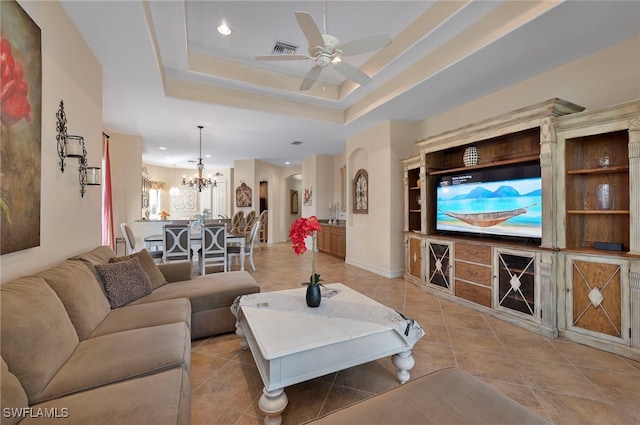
point(277, 198)
point(125, 152)
point(70, 72)
point(607, 77)
point(292, 183)
point(71, 224)
point(340, 161)
point(374, 240)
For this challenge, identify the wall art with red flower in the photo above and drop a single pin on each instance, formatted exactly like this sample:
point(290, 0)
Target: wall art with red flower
point(20, 128)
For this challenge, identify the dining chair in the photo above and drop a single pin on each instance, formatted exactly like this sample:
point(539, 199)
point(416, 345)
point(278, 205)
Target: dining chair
point(214, 247)
point(130, 243)
point(264, 220)
point(234, 251)
point(250, 218)
point(236, 221)
point(176, 240)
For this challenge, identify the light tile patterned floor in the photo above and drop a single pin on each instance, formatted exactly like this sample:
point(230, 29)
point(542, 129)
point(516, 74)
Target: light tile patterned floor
point(565, 382)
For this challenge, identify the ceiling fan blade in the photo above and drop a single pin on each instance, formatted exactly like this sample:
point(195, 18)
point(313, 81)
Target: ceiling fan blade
point(352, 73)
point(311, 77)
point(281, 57)
point(310, 29)
point(365, 44)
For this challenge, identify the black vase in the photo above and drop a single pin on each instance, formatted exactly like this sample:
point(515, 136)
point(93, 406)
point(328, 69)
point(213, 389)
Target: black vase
point(313, 295)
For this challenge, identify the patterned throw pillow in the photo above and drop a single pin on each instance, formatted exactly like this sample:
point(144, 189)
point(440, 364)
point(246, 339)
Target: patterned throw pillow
point(148, 265)
point(124, 281)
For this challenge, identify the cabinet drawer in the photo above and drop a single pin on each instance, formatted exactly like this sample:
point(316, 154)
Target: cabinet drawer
point(475, 253)
point(474, 293)
point(473, 273)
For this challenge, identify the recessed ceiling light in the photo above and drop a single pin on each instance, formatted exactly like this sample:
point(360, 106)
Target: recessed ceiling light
point(287, 163)
point(162, 148)
point(224, 29)
point(207, 156)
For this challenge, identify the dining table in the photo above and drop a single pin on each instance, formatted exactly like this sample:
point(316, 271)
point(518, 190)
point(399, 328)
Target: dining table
point(233, 238)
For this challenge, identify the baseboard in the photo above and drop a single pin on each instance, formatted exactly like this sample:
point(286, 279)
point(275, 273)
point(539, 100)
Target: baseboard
point(373, 269)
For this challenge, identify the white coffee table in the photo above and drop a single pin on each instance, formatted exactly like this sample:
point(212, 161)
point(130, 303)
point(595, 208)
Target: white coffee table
point(290, 347)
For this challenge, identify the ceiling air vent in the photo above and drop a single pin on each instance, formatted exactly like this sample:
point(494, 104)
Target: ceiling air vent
point(296, 142)
point(284, 48)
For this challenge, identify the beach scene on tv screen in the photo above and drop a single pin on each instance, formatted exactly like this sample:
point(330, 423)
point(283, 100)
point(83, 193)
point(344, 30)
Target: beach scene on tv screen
point(503, 208)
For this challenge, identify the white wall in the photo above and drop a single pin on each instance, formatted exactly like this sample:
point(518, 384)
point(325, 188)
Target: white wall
point(70, 72)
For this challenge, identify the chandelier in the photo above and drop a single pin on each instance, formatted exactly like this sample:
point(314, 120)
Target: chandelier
point(198, 180)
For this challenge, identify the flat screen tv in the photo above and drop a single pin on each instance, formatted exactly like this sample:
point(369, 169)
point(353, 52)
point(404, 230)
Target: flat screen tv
point(501, 201)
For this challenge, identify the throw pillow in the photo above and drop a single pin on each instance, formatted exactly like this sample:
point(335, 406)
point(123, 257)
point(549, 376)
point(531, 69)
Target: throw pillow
point(148, 265)
point(124, 281)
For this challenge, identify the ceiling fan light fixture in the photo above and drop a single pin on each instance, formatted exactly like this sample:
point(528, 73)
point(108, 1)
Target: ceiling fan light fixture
point(224, 29)
point(325, 49)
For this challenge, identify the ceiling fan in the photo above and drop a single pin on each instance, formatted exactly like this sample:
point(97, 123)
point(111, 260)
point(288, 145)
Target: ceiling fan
point(326, 49)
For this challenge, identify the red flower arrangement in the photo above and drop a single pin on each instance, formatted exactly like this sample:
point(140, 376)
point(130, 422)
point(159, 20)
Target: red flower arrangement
point(13, 88)
point(299, 231)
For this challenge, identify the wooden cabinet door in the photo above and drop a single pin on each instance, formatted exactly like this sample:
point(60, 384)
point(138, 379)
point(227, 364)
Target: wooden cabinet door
point(324, 239)
point(415, 257)
point(341, 249)
point(597, 298)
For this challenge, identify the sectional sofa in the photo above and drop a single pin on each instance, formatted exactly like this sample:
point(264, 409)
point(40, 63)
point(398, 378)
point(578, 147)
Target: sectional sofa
point(105, 339)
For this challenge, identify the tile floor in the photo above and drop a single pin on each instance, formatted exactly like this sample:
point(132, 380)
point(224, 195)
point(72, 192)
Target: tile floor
point(565, 382)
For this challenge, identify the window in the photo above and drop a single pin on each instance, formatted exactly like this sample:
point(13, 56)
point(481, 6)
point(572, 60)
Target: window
point(154, 204)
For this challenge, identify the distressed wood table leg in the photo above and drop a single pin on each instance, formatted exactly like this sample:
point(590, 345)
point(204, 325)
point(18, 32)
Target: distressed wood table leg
point(404, 362)
point(243, 339)
point(272, 404)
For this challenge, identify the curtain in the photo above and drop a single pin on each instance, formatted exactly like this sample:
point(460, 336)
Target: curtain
point(156, 185)
point(107, 205)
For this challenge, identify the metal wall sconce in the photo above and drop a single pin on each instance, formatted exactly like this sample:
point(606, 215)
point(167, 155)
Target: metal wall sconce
point(70, 146)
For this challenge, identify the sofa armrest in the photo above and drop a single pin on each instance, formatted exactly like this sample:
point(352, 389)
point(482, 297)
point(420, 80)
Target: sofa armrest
point(175, 272)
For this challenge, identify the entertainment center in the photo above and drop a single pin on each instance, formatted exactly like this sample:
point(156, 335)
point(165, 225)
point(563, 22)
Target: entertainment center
point(533, 217)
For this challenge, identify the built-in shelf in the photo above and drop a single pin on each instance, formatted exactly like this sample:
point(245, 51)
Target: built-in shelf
point(599, 212)
point(518, 160)
point(601, 170)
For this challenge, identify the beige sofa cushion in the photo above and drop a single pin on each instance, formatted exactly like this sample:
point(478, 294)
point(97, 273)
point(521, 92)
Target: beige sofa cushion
point(145, 315)
point(99, 255)
point(207, 292)
point(124, 281)
point(161, 398)
point(150, 267)
point(12, 395)
point(81, 294)
point(120, 356)
point(37, 335)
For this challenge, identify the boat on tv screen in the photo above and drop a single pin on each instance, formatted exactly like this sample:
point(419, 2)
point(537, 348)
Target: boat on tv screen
point(509, 207)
